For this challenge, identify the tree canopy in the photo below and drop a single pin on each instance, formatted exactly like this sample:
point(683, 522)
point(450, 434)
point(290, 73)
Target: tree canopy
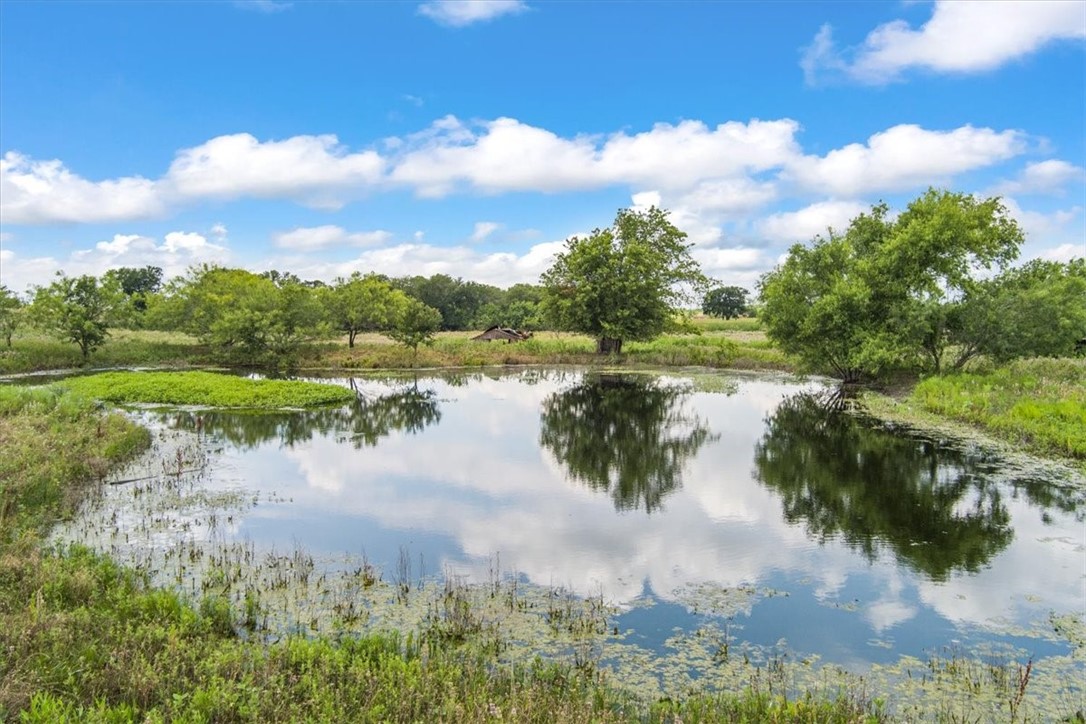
point(726, 302)
point(878, 295)
point(626, 282)
point(79, 309)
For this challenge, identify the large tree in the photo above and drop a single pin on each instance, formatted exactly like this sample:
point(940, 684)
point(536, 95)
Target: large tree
point(725, 302)
point(879, 294)
point(244, 317)
point(79, 309)
point(362, 304)
point(626, 282)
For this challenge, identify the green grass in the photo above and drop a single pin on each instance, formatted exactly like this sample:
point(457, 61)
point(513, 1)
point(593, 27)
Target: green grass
point(205, 388)
point(87, 640)
point(1039, 404)
point(32, 351)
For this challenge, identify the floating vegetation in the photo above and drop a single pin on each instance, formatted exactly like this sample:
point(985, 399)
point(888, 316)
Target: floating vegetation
point(205, 388)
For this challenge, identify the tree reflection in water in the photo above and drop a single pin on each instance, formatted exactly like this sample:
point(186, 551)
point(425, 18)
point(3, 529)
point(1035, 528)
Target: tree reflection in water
point(629, 435)
point(361, 423)
point(935, 507)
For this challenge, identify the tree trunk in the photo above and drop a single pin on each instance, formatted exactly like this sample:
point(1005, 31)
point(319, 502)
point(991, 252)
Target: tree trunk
point(350, 338)
point(608, 345)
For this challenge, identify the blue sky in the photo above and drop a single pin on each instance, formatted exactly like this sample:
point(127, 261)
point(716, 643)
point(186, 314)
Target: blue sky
point(472, 138)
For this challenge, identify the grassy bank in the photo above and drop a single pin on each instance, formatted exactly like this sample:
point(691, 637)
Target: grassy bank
point(1038, 405)
point(205, 388)
point(722, 343)
point(87, 640)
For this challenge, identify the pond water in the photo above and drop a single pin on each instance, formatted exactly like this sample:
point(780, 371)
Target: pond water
point(675, 501)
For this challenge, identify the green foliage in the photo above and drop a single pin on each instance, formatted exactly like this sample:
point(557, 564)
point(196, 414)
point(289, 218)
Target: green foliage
point(1037, 310)
point(1038, 403)
point(52, 443)
point(244, 318)
point(205, 388)
point(876, 296)
point(622, 283)
point(79, 310)
point(726, 302)
point(138, 284)
point(363, 304)
point(414, 324)
point(458, 301)
point(11, 313)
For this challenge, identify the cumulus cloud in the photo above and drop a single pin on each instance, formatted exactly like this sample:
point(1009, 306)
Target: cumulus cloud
point(326, 237)
point(37, 192)
point(1064, 252)
point(314, 170)
point(810, 221)
point(706, 174)
point(960, 37)
point(1038, 224)
point(902, 157)
point(178, 251)
point(507, 155)
point(459, 13)
point(1044, 177)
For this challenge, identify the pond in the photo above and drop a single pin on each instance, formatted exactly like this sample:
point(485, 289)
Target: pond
point(660, 525)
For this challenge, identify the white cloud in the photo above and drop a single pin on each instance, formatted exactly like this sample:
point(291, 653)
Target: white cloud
point(218, 230)
point(313, 170)
point(38, 192)
point(960, 37)
point(483, 229)
point(499, 268)
point(903, 157)
point(1038, 225)
point(806, 223)
point(459, 13)
point(507, 155)
point(1064, 252)
point(705, 174)
point(178, 251)
point(326, 237)
point(1043, 177)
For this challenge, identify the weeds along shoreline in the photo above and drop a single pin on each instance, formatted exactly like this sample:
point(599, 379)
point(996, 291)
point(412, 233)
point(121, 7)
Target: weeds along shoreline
point(91, 639)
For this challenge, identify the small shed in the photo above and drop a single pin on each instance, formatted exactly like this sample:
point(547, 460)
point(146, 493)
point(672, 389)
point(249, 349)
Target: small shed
point(501, 333)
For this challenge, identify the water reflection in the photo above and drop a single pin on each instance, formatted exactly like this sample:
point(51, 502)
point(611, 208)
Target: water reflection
point(931, 505)
point(627, 435)
point(364, 422)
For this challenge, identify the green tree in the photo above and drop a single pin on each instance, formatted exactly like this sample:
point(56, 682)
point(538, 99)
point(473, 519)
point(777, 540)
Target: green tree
point(362, 304)
point(414, 323)
point(244, 317)
point(625, 282)
point(11, 313)
point(627, 435)
point(880, 294)
point(137, 283)
point(79, 309)
point(1037, 310)
point(458, 301)
point(726, 302)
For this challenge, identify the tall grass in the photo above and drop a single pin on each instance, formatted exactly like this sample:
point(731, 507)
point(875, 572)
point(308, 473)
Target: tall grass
point(1038, 403)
